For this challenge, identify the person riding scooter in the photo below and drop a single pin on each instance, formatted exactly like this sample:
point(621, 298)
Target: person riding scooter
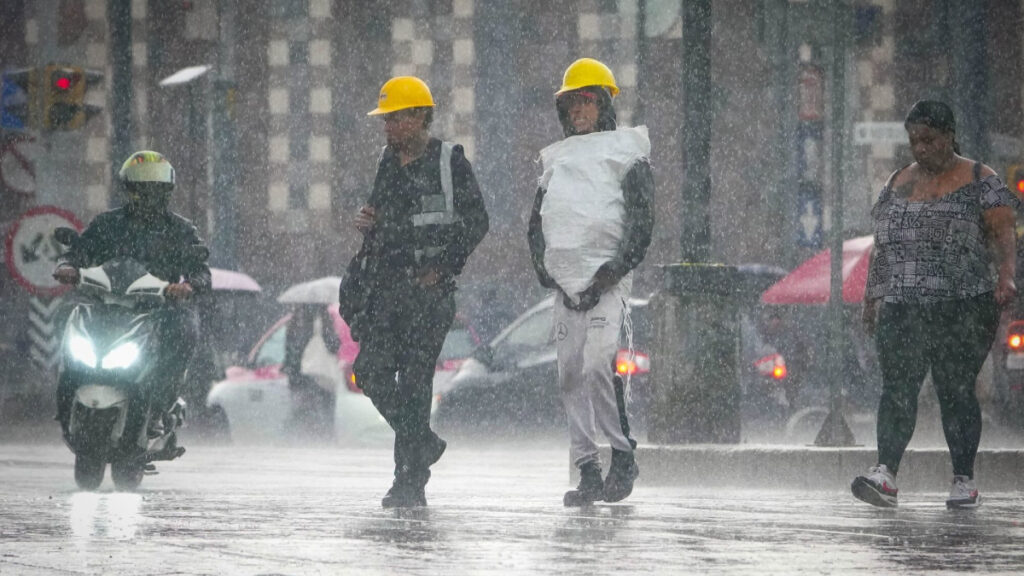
point(167, 244)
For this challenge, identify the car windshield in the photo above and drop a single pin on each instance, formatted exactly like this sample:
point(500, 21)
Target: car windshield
point(458, 344)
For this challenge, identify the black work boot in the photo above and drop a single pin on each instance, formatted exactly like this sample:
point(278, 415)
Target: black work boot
point(433, 449)
point(407, 491)
point(621, 475)
point(404, 495)
point(590, 488)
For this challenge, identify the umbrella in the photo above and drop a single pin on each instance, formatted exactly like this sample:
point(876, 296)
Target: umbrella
point(809, 283)
point(320, 291)
point(231, 280)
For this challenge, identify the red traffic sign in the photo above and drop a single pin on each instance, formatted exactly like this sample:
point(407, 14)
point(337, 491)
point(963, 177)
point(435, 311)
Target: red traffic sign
point(32, 251)
point(17, 165)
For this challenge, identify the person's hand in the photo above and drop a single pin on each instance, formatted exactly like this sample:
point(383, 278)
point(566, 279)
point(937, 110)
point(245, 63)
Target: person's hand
point(365, 219)
point(869, 315)
point(429, 277)
point(604, 278)
point(66, 275)
point(180, 291)
point(586, 299)
point(1006, 291)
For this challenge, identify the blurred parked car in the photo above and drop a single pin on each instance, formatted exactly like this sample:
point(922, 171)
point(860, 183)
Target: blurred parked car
point(511, 383)
point(259, 400)
point(1008, 370)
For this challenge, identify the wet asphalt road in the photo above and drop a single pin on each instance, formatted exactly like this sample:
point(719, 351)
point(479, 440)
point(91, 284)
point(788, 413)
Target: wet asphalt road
point(496, 510)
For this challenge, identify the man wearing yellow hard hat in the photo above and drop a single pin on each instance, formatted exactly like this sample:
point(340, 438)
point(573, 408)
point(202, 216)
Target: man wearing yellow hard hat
point(424, 217)
point(590, 227)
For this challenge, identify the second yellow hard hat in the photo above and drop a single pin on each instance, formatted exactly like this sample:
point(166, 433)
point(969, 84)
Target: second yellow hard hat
point(587, 72)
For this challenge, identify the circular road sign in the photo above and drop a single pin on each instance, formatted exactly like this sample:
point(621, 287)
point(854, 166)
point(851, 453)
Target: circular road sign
point(32, 251)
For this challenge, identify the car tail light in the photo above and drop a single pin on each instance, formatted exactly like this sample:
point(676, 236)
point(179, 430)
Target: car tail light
point(779, 372)
point(635, 363)
point(772, 366)
point(1015, 337)
point(350, 380)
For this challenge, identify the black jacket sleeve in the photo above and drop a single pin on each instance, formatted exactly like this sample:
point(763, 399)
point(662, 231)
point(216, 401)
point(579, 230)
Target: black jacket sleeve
point(473, 222)
point(638, 190)
point(166, 246)
point(94, 244)
point(535, 237)
point(196, 270)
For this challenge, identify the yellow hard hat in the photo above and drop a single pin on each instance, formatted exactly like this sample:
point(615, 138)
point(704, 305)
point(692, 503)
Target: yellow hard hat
point(587, 72)
point(400, 93)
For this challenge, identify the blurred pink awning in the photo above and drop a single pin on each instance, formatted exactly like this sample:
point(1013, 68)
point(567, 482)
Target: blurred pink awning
point(809, 283)
point(231, 280)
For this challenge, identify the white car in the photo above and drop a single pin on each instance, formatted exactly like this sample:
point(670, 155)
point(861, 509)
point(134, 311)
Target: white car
point(256, 398)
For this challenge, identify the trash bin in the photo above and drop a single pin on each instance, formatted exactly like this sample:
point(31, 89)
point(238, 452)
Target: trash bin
point(695, 360)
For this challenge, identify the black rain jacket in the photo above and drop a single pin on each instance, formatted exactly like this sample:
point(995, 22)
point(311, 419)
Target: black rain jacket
point(162, 244)
point(396, 197)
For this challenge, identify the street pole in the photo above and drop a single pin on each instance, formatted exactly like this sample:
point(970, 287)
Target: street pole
point(695, 234)
point(639, 111)
point(696, 395)
point(835, 431)
point(119, 16)
point(970, 70)
point(224, 144)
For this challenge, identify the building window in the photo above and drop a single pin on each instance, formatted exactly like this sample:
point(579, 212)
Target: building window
point(298, 198)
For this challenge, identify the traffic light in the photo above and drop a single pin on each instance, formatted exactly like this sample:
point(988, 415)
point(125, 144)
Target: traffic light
point(1015, 178)
point(64, 89)
point(18, 99)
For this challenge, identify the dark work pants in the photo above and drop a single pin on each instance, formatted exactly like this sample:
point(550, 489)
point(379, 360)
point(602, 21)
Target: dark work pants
point(178, 330)
point(403, 338)
point(950, 338)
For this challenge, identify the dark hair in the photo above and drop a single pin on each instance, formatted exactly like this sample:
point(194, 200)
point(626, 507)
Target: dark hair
point(935, 114)
point(606, 112)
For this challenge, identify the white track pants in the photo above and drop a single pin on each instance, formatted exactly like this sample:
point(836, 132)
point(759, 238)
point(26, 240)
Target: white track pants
point(587, 343)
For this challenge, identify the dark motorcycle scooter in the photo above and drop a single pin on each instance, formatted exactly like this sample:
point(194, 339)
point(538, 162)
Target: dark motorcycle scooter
point(109, 359)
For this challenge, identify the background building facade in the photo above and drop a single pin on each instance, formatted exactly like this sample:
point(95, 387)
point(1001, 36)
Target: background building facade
point(275, 152)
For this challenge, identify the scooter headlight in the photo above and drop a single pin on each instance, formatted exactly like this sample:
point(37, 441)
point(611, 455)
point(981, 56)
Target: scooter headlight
point(121, 357)
point(81, 349)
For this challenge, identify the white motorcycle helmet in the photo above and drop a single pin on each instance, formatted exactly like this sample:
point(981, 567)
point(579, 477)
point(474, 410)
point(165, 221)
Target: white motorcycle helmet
point(148, 179)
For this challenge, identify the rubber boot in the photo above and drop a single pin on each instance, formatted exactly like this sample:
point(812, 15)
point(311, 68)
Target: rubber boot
point(590, 488)
point(623, 471)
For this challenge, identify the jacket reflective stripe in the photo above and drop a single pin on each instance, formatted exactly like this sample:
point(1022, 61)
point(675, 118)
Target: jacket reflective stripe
point(438, 209)
point(433, 211)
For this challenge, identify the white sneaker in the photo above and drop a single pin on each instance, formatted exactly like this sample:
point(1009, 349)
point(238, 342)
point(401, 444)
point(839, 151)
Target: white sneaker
point(877, 488)
point(963, 493)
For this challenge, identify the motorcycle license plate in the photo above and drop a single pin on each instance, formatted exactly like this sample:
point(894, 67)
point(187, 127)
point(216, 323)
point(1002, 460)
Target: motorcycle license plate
point(1015, 361)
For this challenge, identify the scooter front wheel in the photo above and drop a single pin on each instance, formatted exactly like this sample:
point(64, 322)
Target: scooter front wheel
point(127, 474)
point(89, 471)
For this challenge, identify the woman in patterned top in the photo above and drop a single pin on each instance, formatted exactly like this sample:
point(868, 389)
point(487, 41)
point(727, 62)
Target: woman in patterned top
point(943, 264)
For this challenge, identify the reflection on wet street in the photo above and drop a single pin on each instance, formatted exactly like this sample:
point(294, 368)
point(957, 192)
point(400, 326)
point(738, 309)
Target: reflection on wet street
point(253, 510)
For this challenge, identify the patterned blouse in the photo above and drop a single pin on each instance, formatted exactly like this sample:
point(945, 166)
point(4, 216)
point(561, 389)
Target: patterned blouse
point(935, 250)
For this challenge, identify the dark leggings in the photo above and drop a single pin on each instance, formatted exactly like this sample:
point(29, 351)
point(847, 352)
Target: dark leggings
point(952, 339)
